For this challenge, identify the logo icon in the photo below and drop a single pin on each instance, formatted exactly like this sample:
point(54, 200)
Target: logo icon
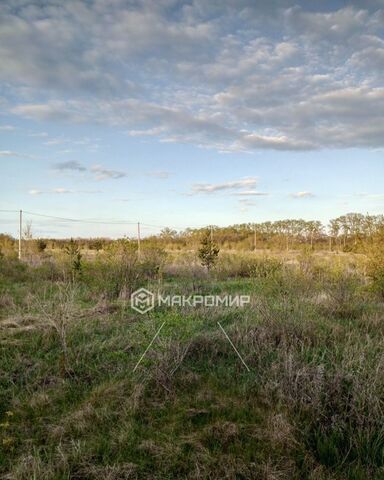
point(142, 300)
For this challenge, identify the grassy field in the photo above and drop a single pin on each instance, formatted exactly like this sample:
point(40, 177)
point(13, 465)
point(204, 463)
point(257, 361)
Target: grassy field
point(73, 407)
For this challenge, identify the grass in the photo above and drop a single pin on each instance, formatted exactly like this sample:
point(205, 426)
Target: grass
point(311, 406)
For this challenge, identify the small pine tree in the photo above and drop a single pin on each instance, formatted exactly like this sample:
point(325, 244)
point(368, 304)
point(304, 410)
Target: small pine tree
point(74, 254)
point(208, 251)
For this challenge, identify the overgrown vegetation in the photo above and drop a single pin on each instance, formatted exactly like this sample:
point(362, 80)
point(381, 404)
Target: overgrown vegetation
point(353, 232)
point(311, 406)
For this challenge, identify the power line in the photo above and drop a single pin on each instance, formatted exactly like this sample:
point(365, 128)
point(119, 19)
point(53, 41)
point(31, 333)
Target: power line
point(102, 222)
point(79, 220)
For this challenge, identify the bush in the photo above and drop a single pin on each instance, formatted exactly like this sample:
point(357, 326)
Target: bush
point(244, 266)
point(344, 292)
point(266, 267)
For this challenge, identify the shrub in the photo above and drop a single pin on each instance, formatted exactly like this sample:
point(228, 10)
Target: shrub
point(344, 293)
point(41, 245)
point(266, 267)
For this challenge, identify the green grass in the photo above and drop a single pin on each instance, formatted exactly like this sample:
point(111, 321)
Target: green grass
point(311, 406)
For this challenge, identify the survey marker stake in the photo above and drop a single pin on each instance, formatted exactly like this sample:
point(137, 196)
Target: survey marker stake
point(149, 346)
point(233, 346)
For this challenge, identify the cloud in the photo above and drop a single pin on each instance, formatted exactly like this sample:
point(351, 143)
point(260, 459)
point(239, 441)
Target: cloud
point(212, 74)
point(209, 188)
point(55, 141)
point(38, 134)
point(250, 193)
point(61, 191)
point(9, 153)
point(70, 165)
point(98, 172)
point(7, 128)
point(101, 173)
point(49, 111)
point(302, 195)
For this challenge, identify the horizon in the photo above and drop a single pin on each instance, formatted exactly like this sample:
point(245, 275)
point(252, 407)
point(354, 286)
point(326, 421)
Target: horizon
point(131, 229)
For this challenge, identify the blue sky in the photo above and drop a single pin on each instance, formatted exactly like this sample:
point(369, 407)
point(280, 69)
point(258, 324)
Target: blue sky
point(189, 113)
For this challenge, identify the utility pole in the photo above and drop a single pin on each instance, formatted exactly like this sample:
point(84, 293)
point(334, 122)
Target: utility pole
point(138, 240)
point(20, 231)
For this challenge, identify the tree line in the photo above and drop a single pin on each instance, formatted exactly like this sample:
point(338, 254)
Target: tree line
point(350, 232)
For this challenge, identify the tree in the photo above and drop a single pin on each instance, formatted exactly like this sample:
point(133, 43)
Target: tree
point(41, 245)
point(313, 230)
point(74, 254)
point(208, 251)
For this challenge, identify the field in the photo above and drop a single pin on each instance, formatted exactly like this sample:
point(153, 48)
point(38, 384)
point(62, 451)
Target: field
point(307, 403)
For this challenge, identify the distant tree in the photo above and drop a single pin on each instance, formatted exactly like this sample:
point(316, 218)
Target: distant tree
point(208, 251)
point(96, 244)
point(7, 244)
point(168, 233)
point(334, 230)
point(313, 230)
point(41, 245)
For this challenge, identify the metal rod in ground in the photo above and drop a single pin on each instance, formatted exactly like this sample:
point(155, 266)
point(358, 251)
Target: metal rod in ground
point(149, 346)
point(20, 231)
point(233, 346)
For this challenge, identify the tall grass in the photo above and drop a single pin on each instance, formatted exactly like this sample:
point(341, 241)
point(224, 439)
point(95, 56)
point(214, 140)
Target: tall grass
point(311, 406)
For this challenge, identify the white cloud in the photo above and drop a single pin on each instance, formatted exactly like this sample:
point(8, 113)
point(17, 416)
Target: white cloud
point(61, 191)
point(303, 194)
point(209, 188)
point(250, 193)
point(38, 134)
point(7, 128)
point(211, 74)
point(10, 153)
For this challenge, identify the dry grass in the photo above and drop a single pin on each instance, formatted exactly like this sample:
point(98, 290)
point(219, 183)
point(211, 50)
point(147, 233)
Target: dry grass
point(311, 406)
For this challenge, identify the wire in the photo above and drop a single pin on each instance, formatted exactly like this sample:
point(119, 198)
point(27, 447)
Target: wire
point(102, 222)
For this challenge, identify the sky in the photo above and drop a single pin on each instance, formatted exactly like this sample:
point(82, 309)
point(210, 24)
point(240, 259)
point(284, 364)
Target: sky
point(188, 113)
